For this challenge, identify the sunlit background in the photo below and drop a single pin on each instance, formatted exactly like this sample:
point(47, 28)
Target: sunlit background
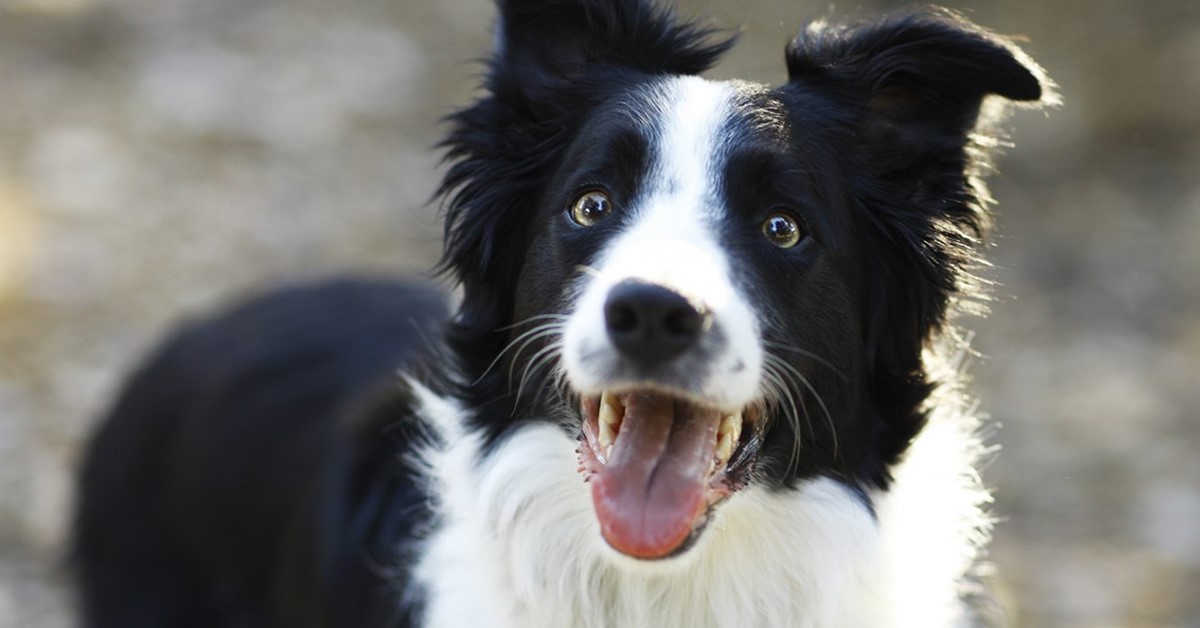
point(158, 157)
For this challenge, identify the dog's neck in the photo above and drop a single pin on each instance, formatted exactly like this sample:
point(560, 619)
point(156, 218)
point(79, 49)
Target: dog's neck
point(517, 532)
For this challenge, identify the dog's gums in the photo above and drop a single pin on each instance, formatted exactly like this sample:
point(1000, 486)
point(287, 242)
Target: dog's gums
point(658, 463)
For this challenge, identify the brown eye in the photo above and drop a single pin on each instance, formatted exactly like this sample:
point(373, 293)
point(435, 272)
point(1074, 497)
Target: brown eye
point(591, 208)
point(782, 230)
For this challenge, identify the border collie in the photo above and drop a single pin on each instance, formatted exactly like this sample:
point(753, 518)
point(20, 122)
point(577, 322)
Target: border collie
point(692, 379)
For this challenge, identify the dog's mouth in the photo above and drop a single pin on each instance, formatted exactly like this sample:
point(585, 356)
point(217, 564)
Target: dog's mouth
point(658, 463)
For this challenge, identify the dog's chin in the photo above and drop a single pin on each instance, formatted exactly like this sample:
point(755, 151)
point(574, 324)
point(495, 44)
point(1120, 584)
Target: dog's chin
point(659, 462)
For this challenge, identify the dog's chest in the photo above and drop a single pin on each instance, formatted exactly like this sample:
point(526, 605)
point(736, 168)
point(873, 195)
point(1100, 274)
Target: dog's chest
point(517, 545)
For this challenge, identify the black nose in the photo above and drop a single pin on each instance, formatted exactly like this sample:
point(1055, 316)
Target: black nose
point(649, 323)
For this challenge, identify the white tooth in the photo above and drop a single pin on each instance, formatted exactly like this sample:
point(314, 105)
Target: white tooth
point(606, 436)
point(608, 412)
point(732, 425)
point(610, 421)
point(611, 400)
point(728, 434)
point(724, 447)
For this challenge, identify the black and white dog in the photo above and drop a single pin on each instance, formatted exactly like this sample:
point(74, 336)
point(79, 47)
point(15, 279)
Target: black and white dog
point(691, 380)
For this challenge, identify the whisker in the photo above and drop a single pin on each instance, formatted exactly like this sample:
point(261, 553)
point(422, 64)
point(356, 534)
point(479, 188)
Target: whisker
point(801, 379)
point(536, 330)
point(790, 377)
point(780, 394)
point(539, 359)
point(545, 330)
point(535, 317)
point(557, 386)
point(808, 354)
point(587, 270)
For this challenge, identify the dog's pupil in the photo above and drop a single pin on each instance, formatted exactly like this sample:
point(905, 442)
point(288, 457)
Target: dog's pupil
point(591, 208)
point(782, 230)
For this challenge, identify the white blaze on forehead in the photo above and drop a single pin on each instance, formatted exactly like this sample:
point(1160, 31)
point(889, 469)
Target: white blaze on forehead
point(671, 238)
point(695, 111)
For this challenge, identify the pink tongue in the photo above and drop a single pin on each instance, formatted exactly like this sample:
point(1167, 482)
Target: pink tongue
point(654, 486)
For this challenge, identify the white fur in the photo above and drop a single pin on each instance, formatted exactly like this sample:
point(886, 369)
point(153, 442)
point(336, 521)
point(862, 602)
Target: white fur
point(671, 242)
point(517, 544)
point(935, 523)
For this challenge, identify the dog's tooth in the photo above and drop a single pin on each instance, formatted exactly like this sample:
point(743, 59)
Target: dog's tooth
point(732, 425)
point(610, 399)
point(606, 434)
point(724, 447)
point(610, 421)
point(608, 414)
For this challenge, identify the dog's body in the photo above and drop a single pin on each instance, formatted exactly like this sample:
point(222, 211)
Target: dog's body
point(689, 382)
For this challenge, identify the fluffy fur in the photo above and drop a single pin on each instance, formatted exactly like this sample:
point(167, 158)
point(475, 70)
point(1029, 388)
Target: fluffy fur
point(267, 468)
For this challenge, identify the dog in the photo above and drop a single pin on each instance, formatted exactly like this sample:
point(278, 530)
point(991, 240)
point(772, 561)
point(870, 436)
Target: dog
point(698, 374)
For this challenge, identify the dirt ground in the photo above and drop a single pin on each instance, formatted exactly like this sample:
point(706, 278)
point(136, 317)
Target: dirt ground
point(158, 157)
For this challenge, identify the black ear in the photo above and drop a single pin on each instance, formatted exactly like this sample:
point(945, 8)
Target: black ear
point(550, 41)
point(915, 86)
point(931, 68)
point(915, 90)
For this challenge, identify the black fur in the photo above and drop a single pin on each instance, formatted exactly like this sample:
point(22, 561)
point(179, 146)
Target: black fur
point(255, 471)
point(254, 474)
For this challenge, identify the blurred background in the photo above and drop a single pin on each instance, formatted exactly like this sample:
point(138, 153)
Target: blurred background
point(159, 157)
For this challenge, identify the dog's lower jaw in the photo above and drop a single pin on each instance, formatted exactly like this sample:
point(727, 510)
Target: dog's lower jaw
point(518, 545)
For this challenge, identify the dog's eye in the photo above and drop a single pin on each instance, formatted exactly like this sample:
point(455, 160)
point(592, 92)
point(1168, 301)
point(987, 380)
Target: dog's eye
point(782, 230)
point(591, 208)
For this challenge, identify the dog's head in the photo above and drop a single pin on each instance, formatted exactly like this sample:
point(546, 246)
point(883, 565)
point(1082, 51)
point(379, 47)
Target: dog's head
point(716, 283)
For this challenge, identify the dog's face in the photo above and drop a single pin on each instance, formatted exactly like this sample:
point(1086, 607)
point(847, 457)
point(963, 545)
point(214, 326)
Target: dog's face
point(714, 284)
point(706, 290)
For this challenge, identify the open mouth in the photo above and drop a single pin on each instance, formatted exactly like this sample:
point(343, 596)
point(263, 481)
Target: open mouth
point(658, 463)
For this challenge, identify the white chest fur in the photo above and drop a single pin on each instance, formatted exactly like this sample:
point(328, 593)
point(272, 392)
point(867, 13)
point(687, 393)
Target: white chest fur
point(517, 545)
